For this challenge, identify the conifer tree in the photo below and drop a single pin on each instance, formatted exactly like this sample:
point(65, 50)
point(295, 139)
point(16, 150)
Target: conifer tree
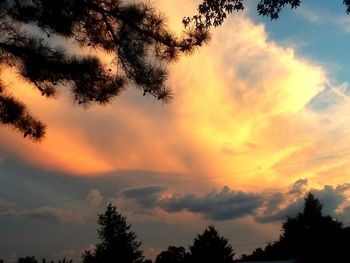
point(210, 247)
point(135, 34)
point(308, 237)
point(118, 242)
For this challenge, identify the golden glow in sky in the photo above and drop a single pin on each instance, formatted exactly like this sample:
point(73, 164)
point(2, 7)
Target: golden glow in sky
point(240, 117)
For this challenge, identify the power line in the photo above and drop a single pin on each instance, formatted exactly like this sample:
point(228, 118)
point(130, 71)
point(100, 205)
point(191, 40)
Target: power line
point(333, 156)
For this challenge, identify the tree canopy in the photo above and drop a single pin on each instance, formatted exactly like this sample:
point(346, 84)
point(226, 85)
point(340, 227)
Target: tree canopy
point(118, 242)
point(214, 12)
point(173, 255)
point(308, 237)
point(135, 34)
point(210, 247)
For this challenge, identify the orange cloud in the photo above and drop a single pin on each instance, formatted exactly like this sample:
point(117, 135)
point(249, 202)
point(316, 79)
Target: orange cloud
point(239, 117)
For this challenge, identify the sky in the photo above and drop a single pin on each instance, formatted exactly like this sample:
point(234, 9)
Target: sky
point(259, 118)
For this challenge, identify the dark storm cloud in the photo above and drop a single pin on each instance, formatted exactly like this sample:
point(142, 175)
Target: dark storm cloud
point(223, 205)
point(147, 196)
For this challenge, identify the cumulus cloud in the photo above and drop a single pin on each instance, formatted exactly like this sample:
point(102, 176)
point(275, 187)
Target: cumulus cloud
point(219, 205)
point(244, 107)
point(228, 204)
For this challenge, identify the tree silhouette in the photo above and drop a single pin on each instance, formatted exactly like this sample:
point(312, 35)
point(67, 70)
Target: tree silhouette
point(214, 12)
point(173, 255)
point(308, 237)
point(64, 260)
point(134, 34)
point(118, 243)
point(210, 247)
point(28, 259)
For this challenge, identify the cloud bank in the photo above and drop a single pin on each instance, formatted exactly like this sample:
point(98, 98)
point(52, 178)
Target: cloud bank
point(228, 204)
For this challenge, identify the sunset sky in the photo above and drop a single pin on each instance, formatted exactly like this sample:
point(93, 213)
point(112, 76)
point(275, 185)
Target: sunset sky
point(260, 116)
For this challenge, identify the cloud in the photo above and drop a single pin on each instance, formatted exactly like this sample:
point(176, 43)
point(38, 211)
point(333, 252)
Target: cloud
point(247, 113)
point(311, 15)
point(273, 202)
point(331, 198)
point(94, 198)
point(219, 205)
point(7, 205)
point(279, 214)
point(45, 212)
point(298, 187)
point(227, 204)
point(241, 109)
point(56, 214)
point(322, 17)
point(147, 196)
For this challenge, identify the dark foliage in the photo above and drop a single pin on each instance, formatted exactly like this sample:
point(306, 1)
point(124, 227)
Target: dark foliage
point(173, 255)
point(134, 33)
point(214, 12)
point(64, 260)
point(15, 113)
point(309, 237)
point(118, 243)
point(28, 259)
point(210, 247)
point(32, 259)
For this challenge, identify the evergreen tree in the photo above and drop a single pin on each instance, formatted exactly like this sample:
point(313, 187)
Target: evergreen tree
point(210, 247)
point(308, 237)
point(118, 242)
point(135, 34)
